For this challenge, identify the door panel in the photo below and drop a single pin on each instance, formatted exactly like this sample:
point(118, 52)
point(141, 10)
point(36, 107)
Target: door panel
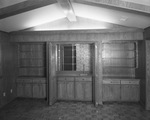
point(52, 74)
point(97, 72)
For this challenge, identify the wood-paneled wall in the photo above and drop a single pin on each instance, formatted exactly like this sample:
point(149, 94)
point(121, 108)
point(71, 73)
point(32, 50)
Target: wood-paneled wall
point(74, 36)
point(8, 74)
point(79, 36)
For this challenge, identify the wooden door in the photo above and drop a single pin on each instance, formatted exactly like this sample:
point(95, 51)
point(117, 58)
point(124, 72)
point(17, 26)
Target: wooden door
point(52, 82)
point(97, 72)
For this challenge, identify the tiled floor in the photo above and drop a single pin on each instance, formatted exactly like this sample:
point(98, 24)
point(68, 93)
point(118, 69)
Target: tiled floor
point(29, 109)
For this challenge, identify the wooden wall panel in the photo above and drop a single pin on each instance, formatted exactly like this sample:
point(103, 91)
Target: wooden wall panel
point(74, 36)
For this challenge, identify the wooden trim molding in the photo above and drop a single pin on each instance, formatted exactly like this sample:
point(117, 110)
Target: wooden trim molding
point(24, 7)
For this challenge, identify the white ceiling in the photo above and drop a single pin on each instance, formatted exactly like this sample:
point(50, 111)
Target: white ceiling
point(80, 24)
point(54, 12)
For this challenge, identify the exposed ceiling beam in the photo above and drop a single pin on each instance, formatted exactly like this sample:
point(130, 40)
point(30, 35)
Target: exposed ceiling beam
point(118, 5)
point(68, 9)
point(24, 7)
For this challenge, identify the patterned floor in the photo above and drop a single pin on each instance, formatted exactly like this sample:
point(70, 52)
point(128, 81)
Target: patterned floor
point(29, 109)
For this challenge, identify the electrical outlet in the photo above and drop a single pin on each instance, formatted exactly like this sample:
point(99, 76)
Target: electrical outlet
point(4, 94)
point(11, 90)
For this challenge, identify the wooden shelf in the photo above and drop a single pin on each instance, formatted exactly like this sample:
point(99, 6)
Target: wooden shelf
point(32, 59)
point(119, 58)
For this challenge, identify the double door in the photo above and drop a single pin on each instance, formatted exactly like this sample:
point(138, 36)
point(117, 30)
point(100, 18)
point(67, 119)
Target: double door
point(75, 88)
point(121, 90)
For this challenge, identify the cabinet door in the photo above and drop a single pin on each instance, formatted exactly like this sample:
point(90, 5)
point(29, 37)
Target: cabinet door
point(28, 90)
point(83, 88)
point(20, 90)
point(111, 90)
point(129, 92)
point(88, 91)
point(70, 90)
point(35, 90)
point(39, 88)
point(61, 90)
point(79, 90)
point(43, 91)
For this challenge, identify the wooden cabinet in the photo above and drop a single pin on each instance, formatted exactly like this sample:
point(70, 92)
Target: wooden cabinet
point(83, 88)
point(130, 90)
point(111, 90)
point(31, 88)
point(121, 90)
point(75, 88)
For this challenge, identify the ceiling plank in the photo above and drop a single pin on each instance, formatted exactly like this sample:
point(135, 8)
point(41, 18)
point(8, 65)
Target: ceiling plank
point(68, 9)
point(24, 7)
point(118, 5)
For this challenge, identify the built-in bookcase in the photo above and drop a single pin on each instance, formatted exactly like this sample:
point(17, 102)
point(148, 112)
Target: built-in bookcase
point(119, 58)
point(32, 59)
